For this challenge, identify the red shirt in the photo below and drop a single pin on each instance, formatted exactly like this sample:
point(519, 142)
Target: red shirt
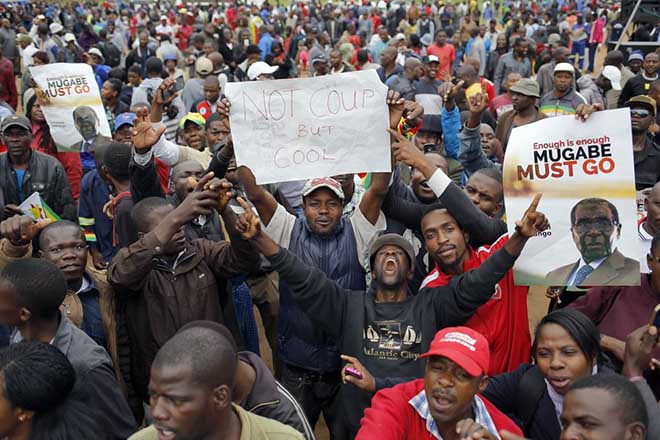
point(391, 417)
point(489, 87)
point(183, 34)
point(500, 105)
point(376, 21)
point(70, 160)
point(503, 319)
point(8, 81)
point(231, 18)
point(446, 54)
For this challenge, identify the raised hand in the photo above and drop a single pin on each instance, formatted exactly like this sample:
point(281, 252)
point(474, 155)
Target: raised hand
point(448, 90)
point(532, 222)
point(404, 150)
point(396, 105)
point(21, 229)
point(413, 111)
point(199, 202)
point(161, 98)
point(248, 224)
point(224, 188)
point(224, 107)
point(478, 103)
point(144, 134)
point(639, 349)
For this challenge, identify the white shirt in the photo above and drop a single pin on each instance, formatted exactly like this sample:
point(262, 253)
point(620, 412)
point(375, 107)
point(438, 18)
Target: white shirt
point(594, 264)
point(167, 30)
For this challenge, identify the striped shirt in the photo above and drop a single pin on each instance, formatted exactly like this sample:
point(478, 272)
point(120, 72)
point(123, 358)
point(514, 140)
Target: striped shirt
point(481, 415)
point(550, 105)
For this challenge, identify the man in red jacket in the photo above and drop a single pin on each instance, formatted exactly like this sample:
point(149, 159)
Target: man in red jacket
point(503, 319)
point(445, 404)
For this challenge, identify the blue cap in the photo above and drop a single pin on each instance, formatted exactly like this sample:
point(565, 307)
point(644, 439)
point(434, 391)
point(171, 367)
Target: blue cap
point(170, 56)
point(123, 119)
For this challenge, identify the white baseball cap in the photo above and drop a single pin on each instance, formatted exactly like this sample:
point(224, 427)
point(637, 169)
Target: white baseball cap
point(260, 68)
point(614, 75)
point(97, 52)
point(203, 66)
point(564, 67)
point(55, 28)
point(69, 37)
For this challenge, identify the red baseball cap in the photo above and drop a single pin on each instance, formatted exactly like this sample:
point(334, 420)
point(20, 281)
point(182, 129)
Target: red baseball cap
point(467, 347)
point(323, 182)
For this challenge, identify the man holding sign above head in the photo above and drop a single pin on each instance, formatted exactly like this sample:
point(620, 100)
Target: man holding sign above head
point(334, 243)
point(595, 228)
point(457, 240)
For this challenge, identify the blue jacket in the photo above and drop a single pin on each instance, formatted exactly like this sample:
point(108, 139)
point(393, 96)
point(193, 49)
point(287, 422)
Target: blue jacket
point(301, 343)
point(94, 194)
point(451, 125)
point(265, 44)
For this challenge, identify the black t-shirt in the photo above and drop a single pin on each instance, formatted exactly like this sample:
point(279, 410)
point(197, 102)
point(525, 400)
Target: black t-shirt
point(387, 337)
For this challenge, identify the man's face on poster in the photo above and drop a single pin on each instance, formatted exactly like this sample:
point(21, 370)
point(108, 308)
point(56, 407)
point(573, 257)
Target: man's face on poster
point(85, 122)
point(595, 231)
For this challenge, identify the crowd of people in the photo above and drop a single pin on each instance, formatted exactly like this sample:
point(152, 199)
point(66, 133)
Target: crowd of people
point(386, 300)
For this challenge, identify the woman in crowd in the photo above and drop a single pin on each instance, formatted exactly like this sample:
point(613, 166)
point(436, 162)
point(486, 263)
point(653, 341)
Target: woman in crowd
point(281, 59)
point(566, 348)
point(42, 141)
point(36, 400)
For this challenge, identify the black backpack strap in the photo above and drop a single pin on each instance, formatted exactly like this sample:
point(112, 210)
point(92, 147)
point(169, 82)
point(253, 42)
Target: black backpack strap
point(530, 390)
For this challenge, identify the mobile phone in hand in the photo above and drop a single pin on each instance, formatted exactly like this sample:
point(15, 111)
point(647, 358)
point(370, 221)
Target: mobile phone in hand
point(354, 372)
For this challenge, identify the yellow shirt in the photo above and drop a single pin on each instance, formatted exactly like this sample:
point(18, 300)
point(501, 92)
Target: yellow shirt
point(253, 427)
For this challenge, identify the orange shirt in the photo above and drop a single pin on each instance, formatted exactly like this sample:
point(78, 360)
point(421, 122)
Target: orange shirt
point(446, 54)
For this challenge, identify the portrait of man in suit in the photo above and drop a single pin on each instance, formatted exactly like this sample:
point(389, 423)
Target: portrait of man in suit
point(595, 228)
point(87, 124)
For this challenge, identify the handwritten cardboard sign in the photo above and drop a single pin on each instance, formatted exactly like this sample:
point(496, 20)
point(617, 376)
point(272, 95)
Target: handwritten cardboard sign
point(297, 129)
point(585, 171)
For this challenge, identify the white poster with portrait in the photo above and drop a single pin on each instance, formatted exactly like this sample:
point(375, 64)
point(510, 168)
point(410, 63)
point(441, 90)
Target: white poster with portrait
point(585, 171)
point(71, 103)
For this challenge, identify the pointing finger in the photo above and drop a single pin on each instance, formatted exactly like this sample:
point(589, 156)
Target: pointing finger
point(458, 86)
point(347, 358)
point(204, 180)
point(243, 204)
point(396, 134)
point(535, 203)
